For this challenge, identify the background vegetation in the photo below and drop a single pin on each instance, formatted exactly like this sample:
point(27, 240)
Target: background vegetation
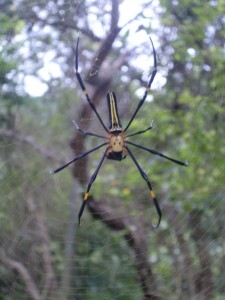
point(115, 254)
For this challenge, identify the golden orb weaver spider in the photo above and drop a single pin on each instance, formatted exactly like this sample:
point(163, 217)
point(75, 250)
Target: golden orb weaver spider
point(117, 148)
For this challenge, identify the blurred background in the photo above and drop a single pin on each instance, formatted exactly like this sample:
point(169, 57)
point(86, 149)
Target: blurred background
point(115, 254)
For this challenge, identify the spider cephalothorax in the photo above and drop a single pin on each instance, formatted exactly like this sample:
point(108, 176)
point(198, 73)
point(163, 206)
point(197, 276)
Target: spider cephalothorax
point(116, 139)
point(117, 148)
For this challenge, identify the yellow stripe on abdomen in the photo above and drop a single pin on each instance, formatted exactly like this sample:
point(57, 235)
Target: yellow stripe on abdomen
point(114, 118)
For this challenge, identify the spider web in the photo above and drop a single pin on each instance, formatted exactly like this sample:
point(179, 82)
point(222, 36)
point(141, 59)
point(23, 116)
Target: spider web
point(43, 254)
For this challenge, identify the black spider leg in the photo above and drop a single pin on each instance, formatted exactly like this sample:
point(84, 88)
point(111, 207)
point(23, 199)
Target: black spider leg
point(84, 132)
point(145, 177)
point(185, 163)
point(93, 177)
point(81, 155)
point(141, 131)
point(147, 88)
point(84, 89)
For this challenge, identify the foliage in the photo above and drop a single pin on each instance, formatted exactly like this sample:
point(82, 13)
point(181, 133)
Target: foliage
point(186, 254)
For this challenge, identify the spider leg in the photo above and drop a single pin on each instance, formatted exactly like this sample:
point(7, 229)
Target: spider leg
point(185, 163)
point(142, 131)
point(84, 132)
point(144, 176)
point(147, 88)
point(93, 177)
point(84, 89)
point(81, 155)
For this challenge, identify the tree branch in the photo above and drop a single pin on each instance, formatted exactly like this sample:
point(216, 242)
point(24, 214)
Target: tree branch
point(31, 141)
point(106, 44)
point(22, 270)
point(102, 85)
point(135, 238)
point(65, 25)
point(51, 284)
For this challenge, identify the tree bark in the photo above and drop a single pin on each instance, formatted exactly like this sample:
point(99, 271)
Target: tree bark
point(135, 238)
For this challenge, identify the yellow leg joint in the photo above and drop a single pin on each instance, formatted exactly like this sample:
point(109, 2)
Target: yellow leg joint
point(152, 194)
point(85, 196)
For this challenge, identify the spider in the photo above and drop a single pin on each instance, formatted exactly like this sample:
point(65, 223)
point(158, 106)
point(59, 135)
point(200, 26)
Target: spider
point(116, 139)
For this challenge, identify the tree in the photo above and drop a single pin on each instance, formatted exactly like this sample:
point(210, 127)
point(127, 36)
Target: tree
point(178, 260)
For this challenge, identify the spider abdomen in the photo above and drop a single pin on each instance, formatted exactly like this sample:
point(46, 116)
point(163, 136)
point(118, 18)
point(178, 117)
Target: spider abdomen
point(114, 120)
